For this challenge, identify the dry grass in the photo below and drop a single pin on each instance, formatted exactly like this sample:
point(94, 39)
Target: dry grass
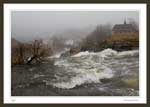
point(17, 60)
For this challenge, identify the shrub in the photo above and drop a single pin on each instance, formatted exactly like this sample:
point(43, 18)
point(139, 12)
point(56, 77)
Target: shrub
point(20, 52)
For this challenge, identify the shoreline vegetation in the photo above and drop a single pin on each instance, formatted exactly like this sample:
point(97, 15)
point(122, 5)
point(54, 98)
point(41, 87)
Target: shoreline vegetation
point(28, 53)
point(118, 42)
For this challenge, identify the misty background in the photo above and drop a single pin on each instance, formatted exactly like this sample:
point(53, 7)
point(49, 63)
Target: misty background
point(74, 53)
point(29, 25)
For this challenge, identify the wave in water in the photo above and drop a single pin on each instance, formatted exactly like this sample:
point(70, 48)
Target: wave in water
point(58, 54)
point(91, 67)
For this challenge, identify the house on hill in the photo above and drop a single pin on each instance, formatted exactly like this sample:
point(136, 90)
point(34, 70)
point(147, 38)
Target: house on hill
point(124, 29)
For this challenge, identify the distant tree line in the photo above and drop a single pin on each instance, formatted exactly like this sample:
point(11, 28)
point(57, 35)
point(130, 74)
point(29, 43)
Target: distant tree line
point(92, 41)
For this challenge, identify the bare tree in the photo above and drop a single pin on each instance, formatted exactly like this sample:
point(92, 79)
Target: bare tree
point(91, 42)
point(39, 50)
point(18, 54)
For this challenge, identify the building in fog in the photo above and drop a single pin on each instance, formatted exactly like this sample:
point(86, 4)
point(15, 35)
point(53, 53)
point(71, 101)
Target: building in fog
point(124, 29)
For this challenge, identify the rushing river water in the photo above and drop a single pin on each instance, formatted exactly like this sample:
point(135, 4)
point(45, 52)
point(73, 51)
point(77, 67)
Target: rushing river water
point(105, 73)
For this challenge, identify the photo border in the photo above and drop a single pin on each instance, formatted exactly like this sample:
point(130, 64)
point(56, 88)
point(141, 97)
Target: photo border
point(7, 64)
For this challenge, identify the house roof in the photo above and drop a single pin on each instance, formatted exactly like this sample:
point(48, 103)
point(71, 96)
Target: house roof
point(123, 27)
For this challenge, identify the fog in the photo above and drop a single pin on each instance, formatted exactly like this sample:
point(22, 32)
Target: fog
point(28, 25)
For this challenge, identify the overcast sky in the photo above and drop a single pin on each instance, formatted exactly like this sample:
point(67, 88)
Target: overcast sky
point(27, 24)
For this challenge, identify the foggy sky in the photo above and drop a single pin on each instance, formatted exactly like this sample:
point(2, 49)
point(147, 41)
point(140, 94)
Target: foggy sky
point(32, 24)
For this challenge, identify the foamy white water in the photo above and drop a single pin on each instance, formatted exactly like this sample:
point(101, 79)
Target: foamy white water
point(91, 67)
point(58, 55)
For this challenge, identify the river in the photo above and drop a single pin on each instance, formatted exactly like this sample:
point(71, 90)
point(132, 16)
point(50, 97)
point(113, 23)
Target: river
point(105, 73)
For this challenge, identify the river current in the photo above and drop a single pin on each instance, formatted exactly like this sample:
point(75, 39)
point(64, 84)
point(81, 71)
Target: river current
point(96, 68)
point(105, 73)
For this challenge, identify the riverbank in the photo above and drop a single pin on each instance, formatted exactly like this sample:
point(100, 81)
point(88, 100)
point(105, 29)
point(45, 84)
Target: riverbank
point(118, 42)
